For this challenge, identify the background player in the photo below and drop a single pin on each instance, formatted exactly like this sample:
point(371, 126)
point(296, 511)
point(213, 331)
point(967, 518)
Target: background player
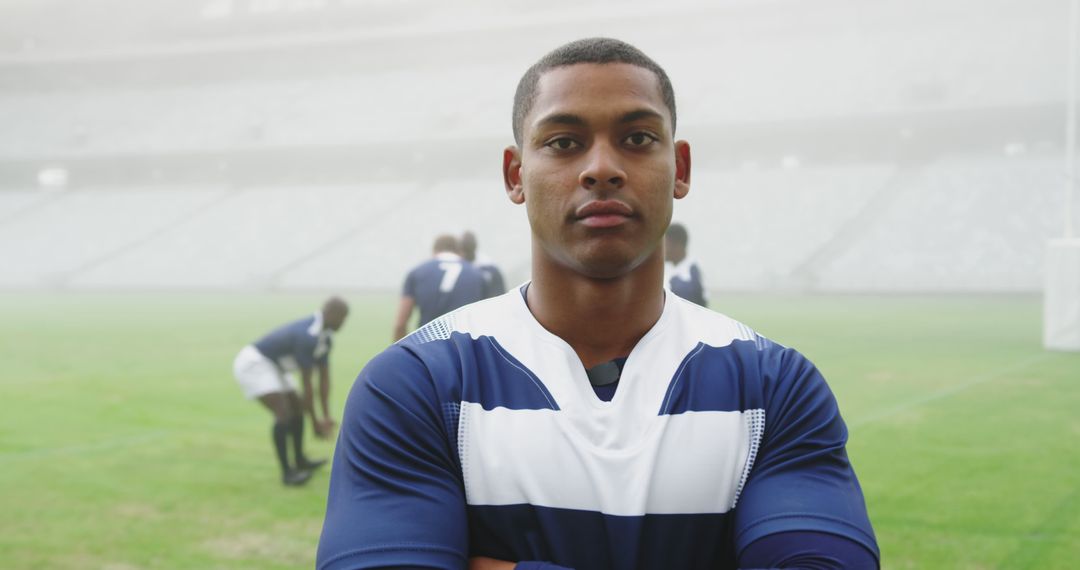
point(683, 273)
point(493, 279)
point(438, 285)
point(492, 438)
point(265, 372)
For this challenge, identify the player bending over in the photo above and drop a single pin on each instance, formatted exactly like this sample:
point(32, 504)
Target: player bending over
point(265, 371)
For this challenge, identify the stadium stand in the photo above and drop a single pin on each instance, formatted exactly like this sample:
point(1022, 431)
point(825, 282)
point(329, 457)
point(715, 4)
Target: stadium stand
point(325, 111)
point(239, 145)
point(247, 239)
point(16, 203)
point(954, 225)
point(391, 246)
point(750, 228)
point(76, 230)
point(960, 225)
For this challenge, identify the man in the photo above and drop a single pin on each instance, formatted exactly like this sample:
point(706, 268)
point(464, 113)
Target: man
point(265, 373)
point(683, 273)
point(493, 279)
point(588, 420)
point(439, 285)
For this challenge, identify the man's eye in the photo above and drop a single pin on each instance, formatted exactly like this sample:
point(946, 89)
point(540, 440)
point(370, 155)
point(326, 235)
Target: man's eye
point(562, 143)
point(640, 139)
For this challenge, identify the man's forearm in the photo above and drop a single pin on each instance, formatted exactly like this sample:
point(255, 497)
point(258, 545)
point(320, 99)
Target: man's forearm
point(308, 400)
point(324, 391)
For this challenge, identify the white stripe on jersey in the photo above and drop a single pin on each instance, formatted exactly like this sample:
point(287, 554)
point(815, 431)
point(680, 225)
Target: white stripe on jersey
point(511, 457)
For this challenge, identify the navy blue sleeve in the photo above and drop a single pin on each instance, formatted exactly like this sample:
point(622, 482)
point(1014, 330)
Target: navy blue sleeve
point(801, 479)
point(396, 496)
point(807, 551)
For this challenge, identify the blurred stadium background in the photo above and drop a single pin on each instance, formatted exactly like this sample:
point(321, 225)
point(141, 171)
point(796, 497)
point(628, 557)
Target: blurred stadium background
point(874, 183)
point(904, 146)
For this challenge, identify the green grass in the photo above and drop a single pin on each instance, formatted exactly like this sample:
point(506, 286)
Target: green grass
point(125, 443)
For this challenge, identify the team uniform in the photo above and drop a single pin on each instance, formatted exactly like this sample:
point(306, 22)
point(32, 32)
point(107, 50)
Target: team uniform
point(442, 284)
point(481, 434)
point(267, 365)
point(684, 279)
point(494, 285)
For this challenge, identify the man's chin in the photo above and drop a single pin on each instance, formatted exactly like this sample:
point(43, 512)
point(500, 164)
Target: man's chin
point(607, 267)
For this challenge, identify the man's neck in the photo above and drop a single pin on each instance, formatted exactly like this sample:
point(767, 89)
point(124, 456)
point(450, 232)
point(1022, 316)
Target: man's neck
point(601, 319)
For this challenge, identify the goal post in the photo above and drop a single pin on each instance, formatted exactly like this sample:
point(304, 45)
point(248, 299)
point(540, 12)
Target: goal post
point(1061, 297)
point(1061, 294)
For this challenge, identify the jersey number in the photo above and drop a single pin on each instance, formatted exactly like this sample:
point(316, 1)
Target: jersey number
point(451, 271)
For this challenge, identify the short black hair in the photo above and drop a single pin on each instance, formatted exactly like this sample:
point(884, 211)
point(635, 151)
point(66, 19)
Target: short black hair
point(589, 50)
point(446, 243)
point(677, 234)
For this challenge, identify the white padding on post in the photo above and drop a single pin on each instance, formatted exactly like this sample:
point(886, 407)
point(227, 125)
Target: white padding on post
point(1061, 300)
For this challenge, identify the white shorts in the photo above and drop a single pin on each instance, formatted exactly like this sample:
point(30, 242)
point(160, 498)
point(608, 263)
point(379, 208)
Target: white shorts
point(258, 375)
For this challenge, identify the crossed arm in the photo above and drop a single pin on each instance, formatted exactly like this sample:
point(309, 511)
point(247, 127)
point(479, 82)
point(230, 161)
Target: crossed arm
point(786, 550)
point(802, 508)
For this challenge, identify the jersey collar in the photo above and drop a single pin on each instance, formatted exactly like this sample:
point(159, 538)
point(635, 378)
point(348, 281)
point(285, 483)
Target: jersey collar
point(317, 325)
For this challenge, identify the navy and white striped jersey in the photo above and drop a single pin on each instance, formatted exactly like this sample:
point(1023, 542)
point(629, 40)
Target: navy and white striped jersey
point(480, 435)
point(442, 284)
point(300, 344)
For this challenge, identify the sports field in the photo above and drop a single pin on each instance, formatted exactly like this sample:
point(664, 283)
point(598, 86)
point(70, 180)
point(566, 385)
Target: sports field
point(125, 443)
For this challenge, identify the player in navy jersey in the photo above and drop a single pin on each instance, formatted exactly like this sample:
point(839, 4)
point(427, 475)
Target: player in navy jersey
point(438, 285)
point(493, 279)
point(589, 420)
point(265, 369)
point(683, 273)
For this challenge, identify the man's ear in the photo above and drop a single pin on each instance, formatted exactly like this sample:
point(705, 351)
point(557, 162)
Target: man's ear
point(682, 169)
point(512, 174)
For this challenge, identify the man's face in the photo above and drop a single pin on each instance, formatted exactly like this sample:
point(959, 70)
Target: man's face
point(598, 168)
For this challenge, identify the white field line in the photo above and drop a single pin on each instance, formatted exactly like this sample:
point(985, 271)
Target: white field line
point(952, 390)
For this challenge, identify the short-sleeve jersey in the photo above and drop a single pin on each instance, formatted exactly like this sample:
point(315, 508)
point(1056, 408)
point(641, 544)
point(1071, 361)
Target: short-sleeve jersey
point(480, 435)
point(494, 285)
point(442, 284)
point(300, 344)
point(684, 279)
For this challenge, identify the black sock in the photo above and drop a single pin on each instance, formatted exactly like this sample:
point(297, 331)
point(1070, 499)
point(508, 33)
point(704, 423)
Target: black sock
point(296, 429)
point(281, 431)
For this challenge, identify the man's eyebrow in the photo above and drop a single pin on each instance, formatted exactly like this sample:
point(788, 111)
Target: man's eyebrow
point(570, 119)
point(640, 114)
point(561, 119)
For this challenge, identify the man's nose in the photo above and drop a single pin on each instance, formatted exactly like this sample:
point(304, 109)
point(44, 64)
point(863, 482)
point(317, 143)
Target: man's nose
point(603, 169)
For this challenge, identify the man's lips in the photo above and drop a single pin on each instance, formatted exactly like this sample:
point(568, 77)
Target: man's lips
point(603, 213)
